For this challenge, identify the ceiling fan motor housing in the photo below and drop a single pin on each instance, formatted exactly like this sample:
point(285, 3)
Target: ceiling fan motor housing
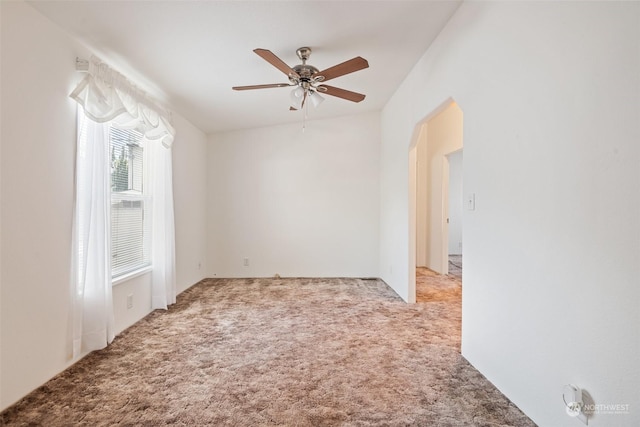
point(303, 70)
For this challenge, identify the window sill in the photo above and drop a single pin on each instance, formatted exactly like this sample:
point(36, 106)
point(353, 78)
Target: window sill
point(125, 277)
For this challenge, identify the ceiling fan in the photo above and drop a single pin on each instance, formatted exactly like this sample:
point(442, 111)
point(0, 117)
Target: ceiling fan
point(308, 80)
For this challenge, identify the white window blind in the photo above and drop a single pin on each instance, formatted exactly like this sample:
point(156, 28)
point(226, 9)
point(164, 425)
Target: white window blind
point(130, 207)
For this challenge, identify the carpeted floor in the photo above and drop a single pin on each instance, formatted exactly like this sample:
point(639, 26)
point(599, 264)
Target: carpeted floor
point(432, 287)
point(280, 352)
point(455, 266)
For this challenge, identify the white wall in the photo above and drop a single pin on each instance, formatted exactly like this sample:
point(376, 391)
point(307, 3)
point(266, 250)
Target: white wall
point(455, 203)
point(37, 178)
point(190, 202)
point(38, 152)
point(550, 94)
point(422, 197)
point(294, 203)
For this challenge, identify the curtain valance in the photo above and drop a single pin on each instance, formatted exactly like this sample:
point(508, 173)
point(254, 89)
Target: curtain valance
point(107, 95)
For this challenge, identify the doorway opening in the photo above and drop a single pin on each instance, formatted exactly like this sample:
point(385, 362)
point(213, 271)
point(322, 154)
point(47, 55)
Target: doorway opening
point(436, 169)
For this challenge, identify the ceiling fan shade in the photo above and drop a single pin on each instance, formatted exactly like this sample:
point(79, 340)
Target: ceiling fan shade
point(297, 98)
point(315, 98)
point(308, 81)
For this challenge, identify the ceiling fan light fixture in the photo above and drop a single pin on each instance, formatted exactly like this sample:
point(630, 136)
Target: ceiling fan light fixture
point(316, 99)
point(297, 92)
point(297, 95)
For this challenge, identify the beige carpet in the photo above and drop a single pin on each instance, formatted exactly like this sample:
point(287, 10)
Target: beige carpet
point(279, 352)
point(432, 287)
point(455, 266)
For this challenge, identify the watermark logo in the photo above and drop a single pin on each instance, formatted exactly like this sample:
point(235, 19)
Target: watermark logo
point(578, 403)
point(606, 408)
point(573, 408)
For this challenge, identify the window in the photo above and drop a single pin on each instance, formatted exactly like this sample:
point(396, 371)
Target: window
point(119, 176)
point(130, 206)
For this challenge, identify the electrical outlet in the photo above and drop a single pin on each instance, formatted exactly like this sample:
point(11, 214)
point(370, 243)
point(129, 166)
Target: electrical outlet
point(245, 262)
point(129, 301)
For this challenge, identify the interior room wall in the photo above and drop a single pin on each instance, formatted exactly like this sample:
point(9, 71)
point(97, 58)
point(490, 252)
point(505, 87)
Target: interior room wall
point(455, 202)
point(552, 248)
point(37, 187)
point(422, 191)
point(296, 203)
point(38, 154)
point(190, 202)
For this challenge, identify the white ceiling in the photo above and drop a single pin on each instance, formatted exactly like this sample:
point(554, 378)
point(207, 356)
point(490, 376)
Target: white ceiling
point(190, 53)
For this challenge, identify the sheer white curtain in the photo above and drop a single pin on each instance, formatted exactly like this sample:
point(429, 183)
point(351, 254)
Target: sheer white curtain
point(107, 98)
point(158, 180)
point(92, 321)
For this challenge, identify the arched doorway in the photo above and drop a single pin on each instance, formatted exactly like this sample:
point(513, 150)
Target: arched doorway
point(436, 194)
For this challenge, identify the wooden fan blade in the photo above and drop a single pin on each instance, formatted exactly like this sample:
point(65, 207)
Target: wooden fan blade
point(356, 64)
point(341, 93)
point(293, 109)
point(272, 59)
point(261, 86)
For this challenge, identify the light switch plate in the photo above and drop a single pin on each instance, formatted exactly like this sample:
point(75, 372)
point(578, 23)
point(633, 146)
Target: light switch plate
point(471, 202)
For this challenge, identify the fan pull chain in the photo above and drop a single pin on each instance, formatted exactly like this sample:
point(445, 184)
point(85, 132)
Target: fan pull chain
point(304, 116)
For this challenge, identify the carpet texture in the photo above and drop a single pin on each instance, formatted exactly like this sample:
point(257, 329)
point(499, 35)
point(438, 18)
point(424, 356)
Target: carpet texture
point(281, 352)
point(455, 266)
